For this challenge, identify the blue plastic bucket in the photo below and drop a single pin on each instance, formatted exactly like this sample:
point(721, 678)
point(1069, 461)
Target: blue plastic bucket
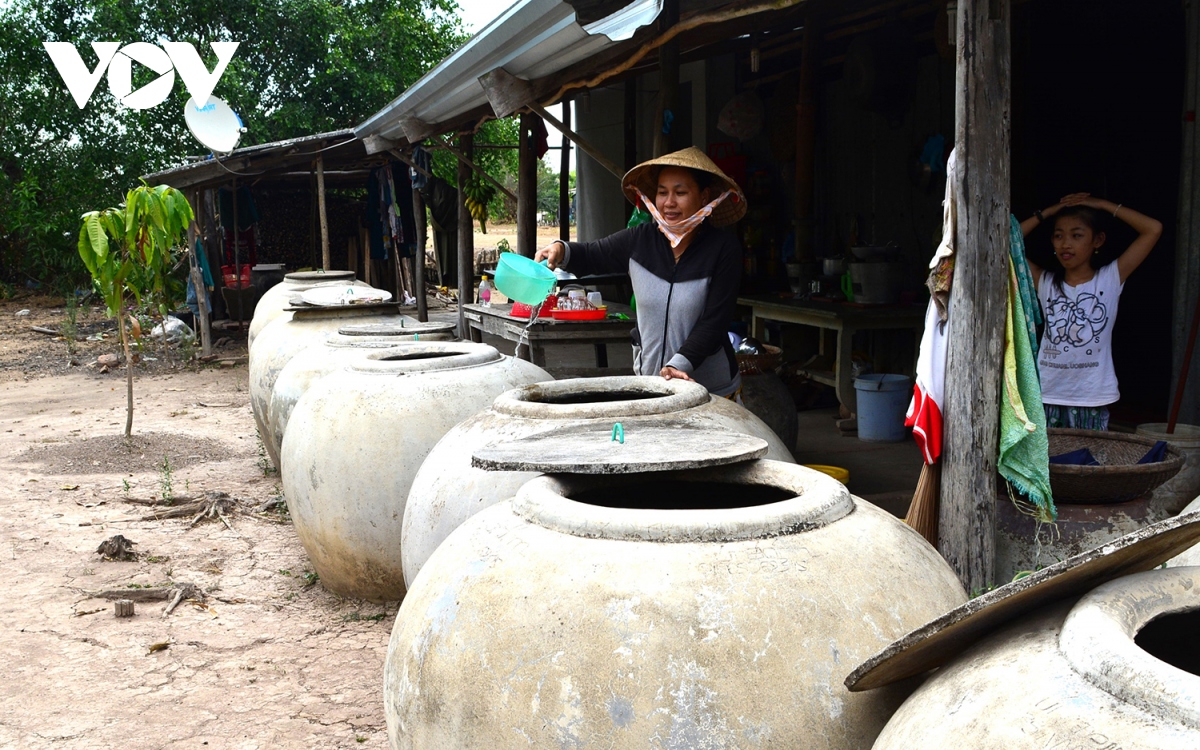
point(522, 279)
point(882, 402)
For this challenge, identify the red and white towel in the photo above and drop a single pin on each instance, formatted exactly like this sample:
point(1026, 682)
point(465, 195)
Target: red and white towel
point(925, 412)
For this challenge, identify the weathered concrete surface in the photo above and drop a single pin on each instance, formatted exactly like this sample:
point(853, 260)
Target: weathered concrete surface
point(1066, 676)
point(1190, 556)
point(356, 439)
point(942, 639)
point(544, 622)
point(448, 490)
point(273, 301)
point(284, 338)
point(596, 449)
point(334, 351)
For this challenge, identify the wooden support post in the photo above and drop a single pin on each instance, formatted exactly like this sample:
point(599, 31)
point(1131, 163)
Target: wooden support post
point(806, 137)
point(668, 80)
point(967, 519)
point(527, 189)
point(325, 263)
point(630, 135)
point(197, 277)
point(215, 241)
point(237, 259)
point(564, 179)
point(312, 218)
point(419, 258)
point(466, 236)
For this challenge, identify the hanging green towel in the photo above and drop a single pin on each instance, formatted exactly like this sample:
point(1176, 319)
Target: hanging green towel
point(1025, 287)
point(1024, 446)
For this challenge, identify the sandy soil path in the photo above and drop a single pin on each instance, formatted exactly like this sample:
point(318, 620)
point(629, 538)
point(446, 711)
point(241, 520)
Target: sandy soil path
point(269, 659)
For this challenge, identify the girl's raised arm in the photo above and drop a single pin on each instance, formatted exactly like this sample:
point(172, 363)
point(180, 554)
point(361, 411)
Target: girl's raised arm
point(1148, 229)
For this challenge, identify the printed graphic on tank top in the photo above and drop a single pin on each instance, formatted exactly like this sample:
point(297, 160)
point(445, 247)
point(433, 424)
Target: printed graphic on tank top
point(1075, 357)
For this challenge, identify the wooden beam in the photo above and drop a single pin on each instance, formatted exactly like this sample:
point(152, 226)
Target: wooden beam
point(564, 179)
point(466, 236)
point(630, 134)
point(469, 161)
point(325, 261)
point(505, 92)
point(668, 83)
point(966, 519)
point(578, 140)
point(806, 139)
point(527, 188)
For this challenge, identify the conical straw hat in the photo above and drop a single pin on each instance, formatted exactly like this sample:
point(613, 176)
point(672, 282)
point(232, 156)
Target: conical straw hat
point(645, 178)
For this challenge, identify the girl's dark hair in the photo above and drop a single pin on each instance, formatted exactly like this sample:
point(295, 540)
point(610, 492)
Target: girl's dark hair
point(1093, 220)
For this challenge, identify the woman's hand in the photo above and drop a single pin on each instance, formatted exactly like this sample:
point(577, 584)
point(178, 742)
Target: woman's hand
point(670, 373)
point(554, 253)
point(1075, 199)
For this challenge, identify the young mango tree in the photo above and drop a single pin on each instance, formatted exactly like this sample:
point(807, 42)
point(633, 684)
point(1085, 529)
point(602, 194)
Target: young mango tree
point(129, 251)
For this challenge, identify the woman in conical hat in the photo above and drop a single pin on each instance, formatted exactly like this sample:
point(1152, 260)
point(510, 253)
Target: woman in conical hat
point(685, 269)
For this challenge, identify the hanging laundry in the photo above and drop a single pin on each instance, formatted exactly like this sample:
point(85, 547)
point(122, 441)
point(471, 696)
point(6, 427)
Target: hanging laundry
point(376, 188)
point(403, 201)
point(925, 411)
point(422, 159)
point(942, 264)
point(1024, 445)
point(541, 138)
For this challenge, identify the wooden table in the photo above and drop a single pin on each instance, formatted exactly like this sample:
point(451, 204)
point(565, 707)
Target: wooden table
point(845, 319)
point(546, 332)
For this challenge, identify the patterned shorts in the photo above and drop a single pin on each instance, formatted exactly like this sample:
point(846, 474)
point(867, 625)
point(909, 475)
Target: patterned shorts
point(1077, 417)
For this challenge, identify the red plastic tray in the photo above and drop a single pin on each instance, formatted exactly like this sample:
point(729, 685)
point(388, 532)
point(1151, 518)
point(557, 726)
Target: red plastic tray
point(580, 314)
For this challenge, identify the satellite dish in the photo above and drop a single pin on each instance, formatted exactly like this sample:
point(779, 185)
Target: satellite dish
point(215, 125)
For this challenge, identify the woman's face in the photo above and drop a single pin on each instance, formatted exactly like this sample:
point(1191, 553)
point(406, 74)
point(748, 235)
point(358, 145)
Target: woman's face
point(1075, 242)
point(678, 195)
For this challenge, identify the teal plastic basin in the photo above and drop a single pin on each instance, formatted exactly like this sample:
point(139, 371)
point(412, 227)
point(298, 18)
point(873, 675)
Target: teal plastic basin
point(520, 278)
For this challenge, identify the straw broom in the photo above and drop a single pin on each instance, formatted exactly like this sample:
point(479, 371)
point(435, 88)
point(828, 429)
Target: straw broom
point(923, 512)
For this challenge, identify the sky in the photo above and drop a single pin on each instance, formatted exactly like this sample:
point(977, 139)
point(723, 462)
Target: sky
point(475, 15)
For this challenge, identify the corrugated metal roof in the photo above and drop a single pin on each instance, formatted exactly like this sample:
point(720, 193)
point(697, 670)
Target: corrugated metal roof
point(337, 147)
point(531, 39)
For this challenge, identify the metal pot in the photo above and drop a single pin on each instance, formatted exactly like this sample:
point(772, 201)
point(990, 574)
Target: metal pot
point(833, 266)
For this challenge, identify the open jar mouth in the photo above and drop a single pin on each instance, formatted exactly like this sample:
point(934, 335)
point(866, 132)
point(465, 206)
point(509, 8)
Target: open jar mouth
point(751, 500)
point(412, 357)
point(601, 398)
point(1135, 638)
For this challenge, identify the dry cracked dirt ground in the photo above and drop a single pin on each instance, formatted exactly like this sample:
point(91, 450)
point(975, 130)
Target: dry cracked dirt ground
point(263, 657)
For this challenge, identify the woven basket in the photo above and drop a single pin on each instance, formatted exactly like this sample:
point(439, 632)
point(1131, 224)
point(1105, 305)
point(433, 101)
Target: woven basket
point(756, 364)
point(1119, 478)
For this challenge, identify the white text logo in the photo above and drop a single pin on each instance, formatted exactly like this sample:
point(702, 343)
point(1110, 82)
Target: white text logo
point(118, 61)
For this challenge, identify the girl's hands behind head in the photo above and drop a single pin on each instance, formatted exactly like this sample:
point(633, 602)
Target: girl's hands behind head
point(1076, 199)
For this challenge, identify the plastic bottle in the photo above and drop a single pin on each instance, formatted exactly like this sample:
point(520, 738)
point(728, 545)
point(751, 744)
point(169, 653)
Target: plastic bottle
point(485, 293)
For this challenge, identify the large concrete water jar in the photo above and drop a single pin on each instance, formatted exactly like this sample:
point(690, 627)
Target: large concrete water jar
point(707, 608)
point(289, 335)
point(275, 300)
point(1116, 669)
point(448, 490)
point(332, 352)
point(355, 440)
